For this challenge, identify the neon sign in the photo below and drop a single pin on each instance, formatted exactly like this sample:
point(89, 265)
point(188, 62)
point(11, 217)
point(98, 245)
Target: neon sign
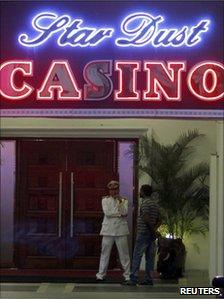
point(137, 30)
point(148, 32)
point(163, 81)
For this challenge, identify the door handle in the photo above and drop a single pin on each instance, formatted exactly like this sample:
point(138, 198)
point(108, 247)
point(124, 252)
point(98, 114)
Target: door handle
point(72, 204)
point(60, 204)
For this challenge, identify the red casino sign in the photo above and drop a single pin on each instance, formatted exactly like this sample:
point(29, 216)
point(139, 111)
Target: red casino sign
point(163, 81)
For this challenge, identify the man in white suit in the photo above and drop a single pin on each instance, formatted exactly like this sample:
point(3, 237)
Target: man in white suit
point(114, 229)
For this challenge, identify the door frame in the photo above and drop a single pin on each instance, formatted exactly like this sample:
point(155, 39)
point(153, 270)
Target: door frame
point(17, 210)
point(120, 134)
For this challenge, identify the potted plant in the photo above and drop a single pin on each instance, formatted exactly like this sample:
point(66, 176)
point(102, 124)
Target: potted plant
point(182, 193)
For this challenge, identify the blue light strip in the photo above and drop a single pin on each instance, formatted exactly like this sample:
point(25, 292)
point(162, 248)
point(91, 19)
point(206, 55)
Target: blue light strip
point(178, 113)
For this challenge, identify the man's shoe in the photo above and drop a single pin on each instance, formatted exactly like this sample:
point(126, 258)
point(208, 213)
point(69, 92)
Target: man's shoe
point(100, 280)
point(129, 283)
point(146, 283)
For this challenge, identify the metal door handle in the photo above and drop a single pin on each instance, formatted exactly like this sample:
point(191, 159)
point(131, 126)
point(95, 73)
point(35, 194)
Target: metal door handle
point(60, 204)
point(72, 204)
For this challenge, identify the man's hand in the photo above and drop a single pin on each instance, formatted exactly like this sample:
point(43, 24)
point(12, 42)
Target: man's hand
point(119, 199)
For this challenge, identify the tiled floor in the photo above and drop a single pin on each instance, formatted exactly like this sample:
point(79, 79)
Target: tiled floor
point(89, 291)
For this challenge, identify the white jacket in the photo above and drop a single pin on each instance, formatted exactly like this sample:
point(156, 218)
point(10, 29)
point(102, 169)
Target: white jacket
point(114, 222)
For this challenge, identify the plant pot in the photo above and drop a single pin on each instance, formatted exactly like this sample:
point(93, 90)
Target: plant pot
point(171, 258)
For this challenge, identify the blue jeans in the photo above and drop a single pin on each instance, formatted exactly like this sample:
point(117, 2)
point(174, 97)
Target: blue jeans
point(143, 244)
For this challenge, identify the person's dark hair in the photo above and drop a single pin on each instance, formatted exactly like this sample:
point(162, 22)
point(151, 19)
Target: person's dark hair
point(147, 190)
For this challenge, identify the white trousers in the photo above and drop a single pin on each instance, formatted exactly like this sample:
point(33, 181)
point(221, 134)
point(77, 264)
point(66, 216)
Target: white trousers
point(122, 247)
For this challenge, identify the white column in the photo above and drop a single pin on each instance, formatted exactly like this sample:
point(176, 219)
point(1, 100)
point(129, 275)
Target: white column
point(213, 221)
point(220, 213)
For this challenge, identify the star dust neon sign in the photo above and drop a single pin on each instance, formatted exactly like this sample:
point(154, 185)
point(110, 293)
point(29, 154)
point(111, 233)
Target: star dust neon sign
point(137, 30)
